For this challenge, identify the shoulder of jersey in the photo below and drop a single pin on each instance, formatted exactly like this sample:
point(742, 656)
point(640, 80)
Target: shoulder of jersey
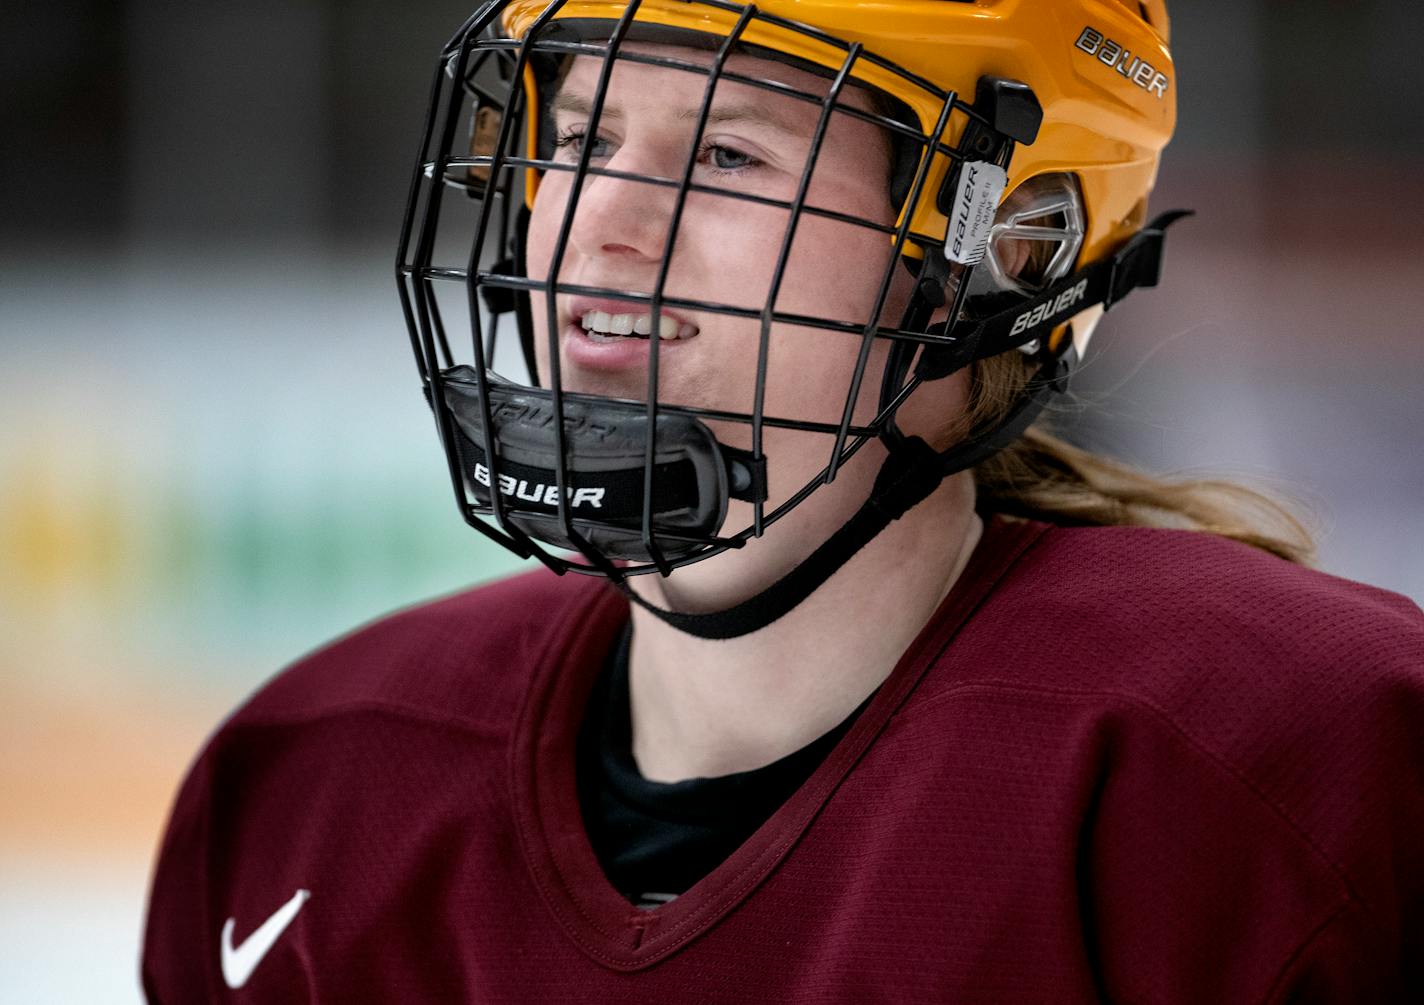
point(465, 656)
point(1123, 602)
point(1198, 586)
point(1179, 666)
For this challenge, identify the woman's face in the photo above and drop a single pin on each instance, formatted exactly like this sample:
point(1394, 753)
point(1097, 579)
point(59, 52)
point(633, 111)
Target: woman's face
point(725, 251)
point(757, 143)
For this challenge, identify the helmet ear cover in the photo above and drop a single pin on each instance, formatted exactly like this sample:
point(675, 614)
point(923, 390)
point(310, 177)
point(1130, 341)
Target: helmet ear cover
point(1017, 322)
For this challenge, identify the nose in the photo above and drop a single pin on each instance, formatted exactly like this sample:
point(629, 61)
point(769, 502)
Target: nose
point(623, 219)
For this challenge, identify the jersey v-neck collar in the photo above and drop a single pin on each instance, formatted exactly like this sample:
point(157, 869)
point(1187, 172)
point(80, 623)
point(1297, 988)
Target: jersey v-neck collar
point(599, 920)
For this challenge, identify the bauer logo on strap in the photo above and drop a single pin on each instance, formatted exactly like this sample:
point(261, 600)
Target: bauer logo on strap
point(1118, 57)
point(981, 186)
point(1050, 309)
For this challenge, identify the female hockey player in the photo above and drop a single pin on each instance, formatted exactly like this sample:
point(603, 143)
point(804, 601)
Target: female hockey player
point(842, 680)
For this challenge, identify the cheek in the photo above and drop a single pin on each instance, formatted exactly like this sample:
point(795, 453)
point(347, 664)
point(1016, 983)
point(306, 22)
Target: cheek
point(936, 411)
point(836, 267)
point(725, 251)
point(810, 373)
point(837, 272)
point(544, 221)
point(834, 273)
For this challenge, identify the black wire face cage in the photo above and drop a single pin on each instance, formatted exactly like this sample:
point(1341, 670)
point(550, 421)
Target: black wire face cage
point(620, 486)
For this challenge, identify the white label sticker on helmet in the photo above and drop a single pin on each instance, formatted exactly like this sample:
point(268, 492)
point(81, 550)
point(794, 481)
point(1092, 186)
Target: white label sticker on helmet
point(981, 186)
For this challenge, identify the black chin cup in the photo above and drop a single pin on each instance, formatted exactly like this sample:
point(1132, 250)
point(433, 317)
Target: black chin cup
point(605, 446)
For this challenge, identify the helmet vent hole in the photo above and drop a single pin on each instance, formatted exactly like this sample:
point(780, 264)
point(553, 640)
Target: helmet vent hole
point(1143, 8)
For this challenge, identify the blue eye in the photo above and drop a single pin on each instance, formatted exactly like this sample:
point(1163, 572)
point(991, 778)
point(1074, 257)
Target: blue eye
point(573, 141)
point(721, 158)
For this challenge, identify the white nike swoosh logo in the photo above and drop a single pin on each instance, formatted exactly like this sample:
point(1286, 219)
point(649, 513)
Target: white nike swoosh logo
point(238, 963)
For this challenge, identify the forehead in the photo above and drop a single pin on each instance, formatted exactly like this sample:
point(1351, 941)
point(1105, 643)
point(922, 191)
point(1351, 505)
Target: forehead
point(797, 93)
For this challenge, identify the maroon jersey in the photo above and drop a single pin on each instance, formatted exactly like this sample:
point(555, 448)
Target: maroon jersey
point(1140, 765)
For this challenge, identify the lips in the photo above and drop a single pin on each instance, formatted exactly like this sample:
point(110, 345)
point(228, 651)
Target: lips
point(614, 337)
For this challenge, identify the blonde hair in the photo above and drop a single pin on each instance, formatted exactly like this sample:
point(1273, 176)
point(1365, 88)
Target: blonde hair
point(1043, 477)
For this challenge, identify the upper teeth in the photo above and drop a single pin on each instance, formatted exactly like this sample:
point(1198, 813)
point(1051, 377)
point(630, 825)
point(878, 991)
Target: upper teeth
point(641, 324)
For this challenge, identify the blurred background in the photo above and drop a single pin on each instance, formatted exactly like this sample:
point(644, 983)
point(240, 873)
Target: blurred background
point(214, 456)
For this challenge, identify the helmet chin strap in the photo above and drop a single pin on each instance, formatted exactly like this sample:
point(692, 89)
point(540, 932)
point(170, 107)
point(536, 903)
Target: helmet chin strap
point(914, 470)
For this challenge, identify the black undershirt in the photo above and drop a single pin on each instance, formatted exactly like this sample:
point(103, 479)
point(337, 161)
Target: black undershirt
point(655, 839)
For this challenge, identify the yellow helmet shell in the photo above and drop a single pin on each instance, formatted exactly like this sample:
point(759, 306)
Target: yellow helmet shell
point(1101, 70)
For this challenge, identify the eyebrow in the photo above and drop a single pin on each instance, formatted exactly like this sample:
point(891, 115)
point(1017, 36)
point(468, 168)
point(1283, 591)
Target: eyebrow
point(754, 114)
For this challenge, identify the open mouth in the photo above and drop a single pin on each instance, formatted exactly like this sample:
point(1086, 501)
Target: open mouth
point(601, 326)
